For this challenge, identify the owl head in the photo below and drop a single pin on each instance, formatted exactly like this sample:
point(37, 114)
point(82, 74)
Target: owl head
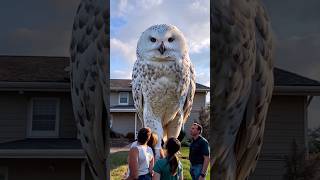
point(162, 43)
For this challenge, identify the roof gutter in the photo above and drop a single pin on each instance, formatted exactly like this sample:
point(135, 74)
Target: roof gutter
point(42, 153)
point(129, 89)
point(297, 90)
point(35, 86)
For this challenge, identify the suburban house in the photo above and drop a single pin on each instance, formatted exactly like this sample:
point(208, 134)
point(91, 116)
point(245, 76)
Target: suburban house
point(124, 118)
point(38, 136)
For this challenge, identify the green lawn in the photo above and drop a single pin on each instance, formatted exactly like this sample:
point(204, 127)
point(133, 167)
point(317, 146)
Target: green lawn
point(119, 164)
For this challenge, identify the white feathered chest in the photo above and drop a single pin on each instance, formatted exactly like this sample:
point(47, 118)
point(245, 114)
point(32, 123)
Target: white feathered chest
point(163, 85)
point(163, 81)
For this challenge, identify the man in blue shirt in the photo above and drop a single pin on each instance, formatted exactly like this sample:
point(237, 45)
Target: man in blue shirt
point(199, 154)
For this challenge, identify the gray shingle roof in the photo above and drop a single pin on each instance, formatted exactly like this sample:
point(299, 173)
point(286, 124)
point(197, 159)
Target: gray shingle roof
point(33, 69)
point(43, 143)
point(118, 84)
point(286, 78)
point(51, 69)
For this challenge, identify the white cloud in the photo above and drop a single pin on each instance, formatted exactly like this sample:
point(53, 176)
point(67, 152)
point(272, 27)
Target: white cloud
point(203, 77)
point(190, 16)
point(119, 74)
point(197, 46)
point(124, 49)
point(200, 5)
point(192, 19)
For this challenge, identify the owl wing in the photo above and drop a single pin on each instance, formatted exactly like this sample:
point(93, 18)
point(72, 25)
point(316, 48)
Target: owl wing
point(250, 135)
point(242, 73)
point(89, 82)
point(190, 94)
point(137, 89)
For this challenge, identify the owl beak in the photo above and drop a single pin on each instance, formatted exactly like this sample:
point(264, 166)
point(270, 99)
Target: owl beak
point(162, 48)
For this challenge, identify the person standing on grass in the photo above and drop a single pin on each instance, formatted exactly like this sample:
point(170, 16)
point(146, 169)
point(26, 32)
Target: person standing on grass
point(199, 153)
point(169, 168)
point(141, 158)
point(153, 141)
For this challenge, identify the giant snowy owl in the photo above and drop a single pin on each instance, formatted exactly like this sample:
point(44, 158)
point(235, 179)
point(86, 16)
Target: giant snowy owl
point(89, 82)
point(163, 81)
point(242, 72)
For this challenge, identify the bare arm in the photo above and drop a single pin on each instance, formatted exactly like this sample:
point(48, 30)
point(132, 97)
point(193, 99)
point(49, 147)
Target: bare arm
point(181, 177)
point(133, 164)
point(205, 164)
point(162, 153)
point(151, 164)
point(156, 176)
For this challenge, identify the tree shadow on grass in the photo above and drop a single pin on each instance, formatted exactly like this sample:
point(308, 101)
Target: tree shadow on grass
point(118, 159)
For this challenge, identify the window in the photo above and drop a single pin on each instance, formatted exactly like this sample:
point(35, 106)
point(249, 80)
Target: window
point(3, 173)
point(44, 117)
point(123, 98)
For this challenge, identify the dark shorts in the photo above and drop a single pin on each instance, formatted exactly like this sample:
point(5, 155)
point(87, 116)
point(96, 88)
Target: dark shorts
point(195, 171)
point(145, 177)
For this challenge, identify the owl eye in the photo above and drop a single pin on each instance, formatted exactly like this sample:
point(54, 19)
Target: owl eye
point(152, 39)
point(171, 39)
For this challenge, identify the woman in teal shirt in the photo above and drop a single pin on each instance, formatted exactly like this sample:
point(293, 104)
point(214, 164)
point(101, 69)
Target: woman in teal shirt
point(169, 168)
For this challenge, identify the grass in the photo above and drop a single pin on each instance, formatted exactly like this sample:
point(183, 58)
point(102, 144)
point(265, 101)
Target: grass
point(119, 164)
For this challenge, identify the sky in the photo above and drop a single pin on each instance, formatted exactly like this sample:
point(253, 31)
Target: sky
point(296, 28)
point(37, 27)
point(128, 19)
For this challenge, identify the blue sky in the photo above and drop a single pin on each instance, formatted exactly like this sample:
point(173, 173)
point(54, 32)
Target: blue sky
point(36, 27)
point(128, 19)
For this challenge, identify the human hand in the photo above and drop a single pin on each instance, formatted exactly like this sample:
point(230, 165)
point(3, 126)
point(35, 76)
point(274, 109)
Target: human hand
point(151, 172)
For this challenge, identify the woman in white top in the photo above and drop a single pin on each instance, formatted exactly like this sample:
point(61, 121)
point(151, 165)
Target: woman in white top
point(141, 158)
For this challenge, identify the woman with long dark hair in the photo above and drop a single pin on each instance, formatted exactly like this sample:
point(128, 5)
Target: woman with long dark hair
point(153, 141)
point(170, 167)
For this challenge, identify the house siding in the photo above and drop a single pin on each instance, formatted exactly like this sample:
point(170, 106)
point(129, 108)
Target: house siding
point(68, 127)
point(124, 122)
point(285, 123)
point(40, 169)
point(15, 114)
point(114, 98)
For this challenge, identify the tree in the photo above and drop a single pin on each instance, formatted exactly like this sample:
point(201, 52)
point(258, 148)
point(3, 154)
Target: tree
point(314, 140)
point(204, 120)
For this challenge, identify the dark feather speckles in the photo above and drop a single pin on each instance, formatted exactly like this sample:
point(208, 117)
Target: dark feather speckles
point(88, 7)
point(77, 91)
point(82, 22)
point(89, 30)
point(79, 7)
point(86, 138)
point(259, 141)
point(85, 73)
point(93, 74)
point(72, 59)
point(80, 119)
point(98, 22)
point(81, 47)
point(77, 64)
point(90, 162)
point(99, 46)
point(88, 115)
point(92, 88)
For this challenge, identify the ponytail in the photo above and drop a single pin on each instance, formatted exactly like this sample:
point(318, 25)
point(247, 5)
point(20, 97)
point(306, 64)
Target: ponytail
point(173, 162)
point(173, 146)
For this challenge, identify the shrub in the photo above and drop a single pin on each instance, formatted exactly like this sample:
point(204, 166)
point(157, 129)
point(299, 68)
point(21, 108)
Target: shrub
point(130, 136)
point(204, 120)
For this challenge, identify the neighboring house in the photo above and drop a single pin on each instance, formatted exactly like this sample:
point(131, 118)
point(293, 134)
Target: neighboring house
point(287, 121)
point(124, 118)
point(38, 136)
